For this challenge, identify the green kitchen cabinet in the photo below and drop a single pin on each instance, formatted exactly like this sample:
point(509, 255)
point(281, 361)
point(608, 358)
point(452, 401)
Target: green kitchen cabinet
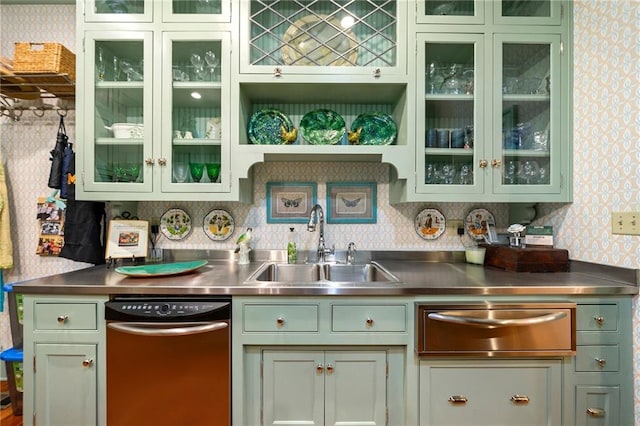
point(324, 387)
point(539, 12)
point(493, 105)
point(143, 10)
point(65, 338)
point(154, 121)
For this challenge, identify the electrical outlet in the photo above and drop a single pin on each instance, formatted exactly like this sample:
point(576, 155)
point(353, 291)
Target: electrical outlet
point(453, 225)
point(625, 223)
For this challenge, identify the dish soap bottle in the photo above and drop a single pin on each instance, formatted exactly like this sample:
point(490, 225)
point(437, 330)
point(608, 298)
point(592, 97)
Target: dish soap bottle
point(292, 250)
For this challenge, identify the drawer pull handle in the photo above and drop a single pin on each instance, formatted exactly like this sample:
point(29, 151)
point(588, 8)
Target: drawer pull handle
point(599, 320)
point(277, 72)
point(601, 362)
point(458, 399)
point(520, 399)
point(595, 412)
point(62, 319)
point(87, 363)
point(319, 368)
point(458, 317)
point(329, 369)
point(280, 321)
point(369, 322)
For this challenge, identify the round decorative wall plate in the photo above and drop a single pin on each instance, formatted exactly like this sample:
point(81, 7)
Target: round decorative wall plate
point(266, 127)
point(375, 128)
point(477, 223)
point(430, 224)
point(319, 40)
point(218, 225)
point(322, 127)
point(175, 224)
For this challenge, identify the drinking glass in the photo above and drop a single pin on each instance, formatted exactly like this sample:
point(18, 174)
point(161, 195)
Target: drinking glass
point(180, 171)
point(197, 170)
point(198, 65)
point(213, 171)
point(212, 61)
point(100, 64)
point(116, 68)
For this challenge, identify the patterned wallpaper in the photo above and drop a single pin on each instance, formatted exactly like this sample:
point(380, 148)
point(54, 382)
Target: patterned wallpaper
point(606, 158)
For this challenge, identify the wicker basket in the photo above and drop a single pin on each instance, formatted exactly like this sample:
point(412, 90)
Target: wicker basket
point(44, 58)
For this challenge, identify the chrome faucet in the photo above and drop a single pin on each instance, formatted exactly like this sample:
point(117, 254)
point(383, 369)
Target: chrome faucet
point(351, 253)
point(317, 216)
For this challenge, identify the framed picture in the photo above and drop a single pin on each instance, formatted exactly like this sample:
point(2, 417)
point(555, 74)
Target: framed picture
point(127, 238)
point(290, 202)
point(351, 202)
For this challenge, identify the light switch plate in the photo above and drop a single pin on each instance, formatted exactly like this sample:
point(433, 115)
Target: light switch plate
point(625, 223)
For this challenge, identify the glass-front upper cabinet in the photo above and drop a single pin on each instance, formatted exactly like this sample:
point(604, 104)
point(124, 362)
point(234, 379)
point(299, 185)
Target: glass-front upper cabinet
point(118, 10)
point(528, 119)
point(326, 36)
point(118, 125)
point(450, 125)
point(527, 12)
point(196, 10)
point(451, 11)
point(195, 118)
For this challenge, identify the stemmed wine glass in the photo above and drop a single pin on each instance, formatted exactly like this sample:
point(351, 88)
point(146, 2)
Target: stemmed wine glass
point(100, 64)
point(198, 65)
point(212, 61)
point(116, 68)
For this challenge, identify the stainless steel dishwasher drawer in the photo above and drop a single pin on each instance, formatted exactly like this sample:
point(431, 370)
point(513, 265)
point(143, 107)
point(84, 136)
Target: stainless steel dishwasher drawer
point(492, 330)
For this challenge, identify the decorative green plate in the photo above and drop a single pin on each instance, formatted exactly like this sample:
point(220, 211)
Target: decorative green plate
point(265, 127)
point(322, 127)
point(377, 128)
point(161, 269)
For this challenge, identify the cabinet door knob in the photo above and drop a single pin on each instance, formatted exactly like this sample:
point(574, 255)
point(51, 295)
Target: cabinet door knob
point(458, 399)
point(277, 72)
point(162, 161)
point(279, 321)
point(87, 363)
point(483, 164)
point(377, 73)
point(369, 322)
point(601, 362)
point(62, 319)
point(599, 320)
point(329, 369)
point(496, 163)
point(319, 368)
point(149, 161)
point(520, 399)
point(595, 412)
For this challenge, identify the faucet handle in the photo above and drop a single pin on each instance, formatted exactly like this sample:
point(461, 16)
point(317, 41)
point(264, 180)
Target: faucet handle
point(351, 252)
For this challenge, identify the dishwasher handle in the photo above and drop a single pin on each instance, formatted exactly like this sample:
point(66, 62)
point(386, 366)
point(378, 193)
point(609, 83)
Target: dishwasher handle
point(458, 317)
point(156, 329)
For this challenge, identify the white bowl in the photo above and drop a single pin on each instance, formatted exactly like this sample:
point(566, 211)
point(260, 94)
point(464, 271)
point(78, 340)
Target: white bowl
point(127, 130)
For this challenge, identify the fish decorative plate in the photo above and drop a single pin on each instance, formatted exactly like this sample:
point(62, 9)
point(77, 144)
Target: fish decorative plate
point(175, 224)
point(322, 127)
point(266, 127)
point(218, 225)
point(161, 269)
point(375, 128)
point(430, 224)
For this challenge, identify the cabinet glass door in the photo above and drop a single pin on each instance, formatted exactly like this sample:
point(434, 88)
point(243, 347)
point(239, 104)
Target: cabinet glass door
point(318, 36)
point(194, 117)
point(529, 123)
point(119, 10)
point(118, 90)
point(450, 120)
point(196, 10)
point(528, 12)
point(451, 11)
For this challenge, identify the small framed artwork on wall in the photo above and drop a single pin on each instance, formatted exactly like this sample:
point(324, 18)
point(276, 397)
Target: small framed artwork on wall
point(351, 202)
point(290, 202)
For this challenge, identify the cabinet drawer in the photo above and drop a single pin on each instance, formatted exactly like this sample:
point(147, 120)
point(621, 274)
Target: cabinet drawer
point(598, 405)
point(66, 316)
point(597, 318)
point(598, 358)
point(369, 318)
point(280, 318)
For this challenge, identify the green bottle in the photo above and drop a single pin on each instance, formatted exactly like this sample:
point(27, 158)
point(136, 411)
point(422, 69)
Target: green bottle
point(292, 251)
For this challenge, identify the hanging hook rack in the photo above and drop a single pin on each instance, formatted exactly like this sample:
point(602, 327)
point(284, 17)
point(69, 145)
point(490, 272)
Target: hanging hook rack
point(14, 110)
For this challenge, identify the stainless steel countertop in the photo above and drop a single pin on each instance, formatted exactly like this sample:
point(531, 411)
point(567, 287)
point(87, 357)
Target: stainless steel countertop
point(420, 273)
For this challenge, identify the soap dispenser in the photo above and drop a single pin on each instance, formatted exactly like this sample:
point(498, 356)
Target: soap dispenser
point(292, 250)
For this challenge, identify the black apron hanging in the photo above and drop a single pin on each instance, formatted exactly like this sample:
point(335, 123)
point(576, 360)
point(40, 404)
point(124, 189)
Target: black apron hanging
point(55, 175)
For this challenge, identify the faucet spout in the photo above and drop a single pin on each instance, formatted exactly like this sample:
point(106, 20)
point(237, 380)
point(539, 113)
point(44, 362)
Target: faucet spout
point(317, 216)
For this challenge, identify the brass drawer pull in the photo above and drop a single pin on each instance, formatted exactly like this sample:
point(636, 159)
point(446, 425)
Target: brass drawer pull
point(369, 322)
point(280, 321)
point(595, 412)
point(87, 363)
point(520, 399)
point(601, 362)
point(458, 399)
point(62, 319)
point(599, 320)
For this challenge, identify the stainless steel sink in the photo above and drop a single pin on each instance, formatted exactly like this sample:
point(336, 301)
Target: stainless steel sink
point(319, 274)
point(368, 272)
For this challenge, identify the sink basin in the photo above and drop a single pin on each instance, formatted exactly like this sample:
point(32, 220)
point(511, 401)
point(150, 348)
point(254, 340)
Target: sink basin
point(319, 274)
point(368, 272)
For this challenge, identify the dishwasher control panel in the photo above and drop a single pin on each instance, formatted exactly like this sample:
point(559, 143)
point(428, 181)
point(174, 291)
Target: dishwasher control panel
point(167, 309)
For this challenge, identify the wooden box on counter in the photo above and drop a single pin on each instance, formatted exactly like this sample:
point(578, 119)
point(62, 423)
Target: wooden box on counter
point(529, 259)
